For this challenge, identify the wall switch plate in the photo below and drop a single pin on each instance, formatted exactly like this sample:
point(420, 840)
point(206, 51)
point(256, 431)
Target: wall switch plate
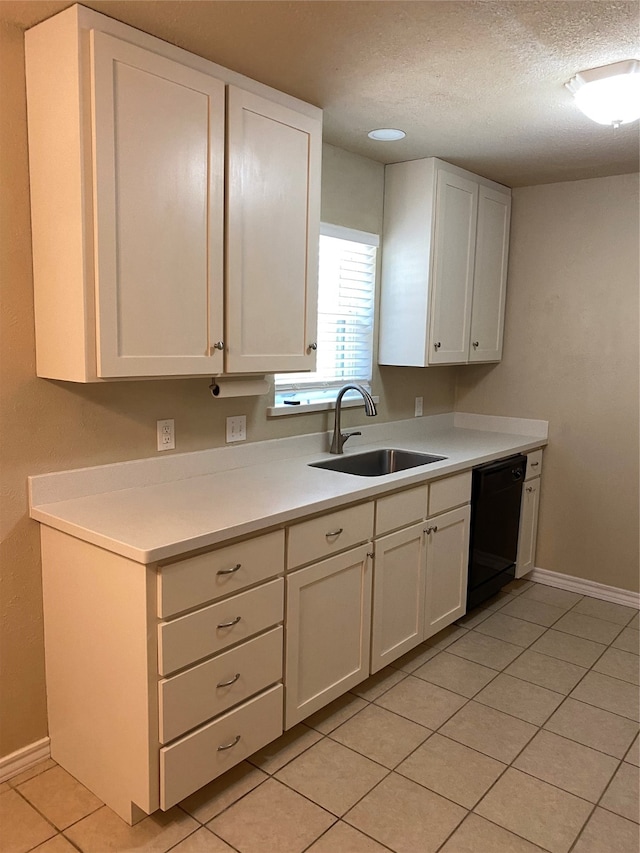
point(418, 409)
point(236, 429)
point(166, 434)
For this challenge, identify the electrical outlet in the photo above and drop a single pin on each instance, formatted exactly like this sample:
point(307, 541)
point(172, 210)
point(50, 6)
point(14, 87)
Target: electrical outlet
point(418, 409)
point(236, 429)
point(166, 434)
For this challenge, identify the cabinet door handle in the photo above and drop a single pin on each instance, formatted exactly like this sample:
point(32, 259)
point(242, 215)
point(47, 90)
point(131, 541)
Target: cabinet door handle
point(476, 344)
point(334, 532)
point(534, 464)
point(229, 682)
point(433, 529)
point(312, 347)
point(231, 623)
point(529, 488)
point(229, 745)
point(231, 570)
point(437, 346)
point(218, 345)
point(371, 554)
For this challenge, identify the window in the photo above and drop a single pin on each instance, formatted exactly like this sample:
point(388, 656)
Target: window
point(346, 303)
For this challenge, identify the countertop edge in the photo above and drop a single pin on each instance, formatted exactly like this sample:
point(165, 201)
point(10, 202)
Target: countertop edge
point(60, 515)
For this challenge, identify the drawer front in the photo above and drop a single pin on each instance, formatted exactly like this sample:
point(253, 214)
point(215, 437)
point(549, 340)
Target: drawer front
point(401, 509)
point(534, 464)
point(192, 582)
point(213, 749)
point(200, 693)
point(198, 635)
point(321, 537)
point(450, 492)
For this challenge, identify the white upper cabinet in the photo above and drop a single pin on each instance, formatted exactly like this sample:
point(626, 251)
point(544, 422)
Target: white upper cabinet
point(444, 264)
point(158, 141)
point(453, 259)
point(490, 276)
point(272, 266)
point(129, 181)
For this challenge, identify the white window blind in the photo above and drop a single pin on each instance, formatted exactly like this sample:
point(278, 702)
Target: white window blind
point(346, 303)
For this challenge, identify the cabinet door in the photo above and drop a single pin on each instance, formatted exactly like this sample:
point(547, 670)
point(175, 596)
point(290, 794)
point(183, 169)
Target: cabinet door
point(447, 569)
point(273, 212)
point(328, 631)
point(490, 276)
point(528, 527)
point(398, 595)
point(158, 137)
point(452, 268)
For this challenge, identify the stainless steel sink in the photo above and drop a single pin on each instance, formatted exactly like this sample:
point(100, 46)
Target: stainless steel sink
point(375, 463)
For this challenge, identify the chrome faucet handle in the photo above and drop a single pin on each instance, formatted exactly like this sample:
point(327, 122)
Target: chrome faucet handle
point(346, 435)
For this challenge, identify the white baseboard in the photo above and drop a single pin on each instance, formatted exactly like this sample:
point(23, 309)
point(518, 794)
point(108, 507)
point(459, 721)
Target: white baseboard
point(23, 759)
point(585, 587)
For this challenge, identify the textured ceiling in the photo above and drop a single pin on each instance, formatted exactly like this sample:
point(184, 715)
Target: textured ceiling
point(479, 84)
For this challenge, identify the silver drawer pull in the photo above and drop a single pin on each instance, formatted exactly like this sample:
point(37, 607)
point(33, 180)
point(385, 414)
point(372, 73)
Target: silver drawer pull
point(231, 623)
point(231, 570)
point(334, 532)
point(534, 464)
point(229, 745)
point(229, 682)
point(431, 529)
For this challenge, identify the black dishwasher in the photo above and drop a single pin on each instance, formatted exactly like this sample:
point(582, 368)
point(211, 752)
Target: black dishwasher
point(496, 494)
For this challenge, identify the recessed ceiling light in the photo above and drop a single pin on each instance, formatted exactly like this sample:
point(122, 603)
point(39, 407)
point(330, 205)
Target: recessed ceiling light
point(609, 94)
point(386, 134)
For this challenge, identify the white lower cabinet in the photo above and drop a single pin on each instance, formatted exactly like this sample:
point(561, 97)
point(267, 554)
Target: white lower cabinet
point(528, 527)
point(175, 674)
point(528, 531)
point(204, 754)
point(447, 569)
point(197, 694)
point(398, 594)
point(328, 627)
point(138, 740)
point(420, 573)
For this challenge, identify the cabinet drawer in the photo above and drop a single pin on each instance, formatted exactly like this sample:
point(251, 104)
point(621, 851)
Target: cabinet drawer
point(196, 580)
point(196, 695)
point(449, 492)
point(401, 509)
point(321, 537)
point(190, 638)
point(534, 464)
point(204, 754)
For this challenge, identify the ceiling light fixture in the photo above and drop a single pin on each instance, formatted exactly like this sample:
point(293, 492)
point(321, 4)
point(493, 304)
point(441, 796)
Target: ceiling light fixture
point(386, 134)
point(609, 94)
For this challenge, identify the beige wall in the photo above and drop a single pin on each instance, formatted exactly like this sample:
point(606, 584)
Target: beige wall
point(49, 426)
point(571, 357)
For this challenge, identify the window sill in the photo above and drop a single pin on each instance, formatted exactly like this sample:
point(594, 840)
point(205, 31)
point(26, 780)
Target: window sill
point(307, 408)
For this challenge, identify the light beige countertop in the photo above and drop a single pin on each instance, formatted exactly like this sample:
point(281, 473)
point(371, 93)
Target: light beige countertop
point(155, 509)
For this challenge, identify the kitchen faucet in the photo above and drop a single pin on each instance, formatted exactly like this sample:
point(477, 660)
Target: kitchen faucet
point(339, 438)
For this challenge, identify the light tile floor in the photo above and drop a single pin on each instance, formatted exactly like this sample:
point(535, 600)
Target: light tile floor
point(514, 731)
